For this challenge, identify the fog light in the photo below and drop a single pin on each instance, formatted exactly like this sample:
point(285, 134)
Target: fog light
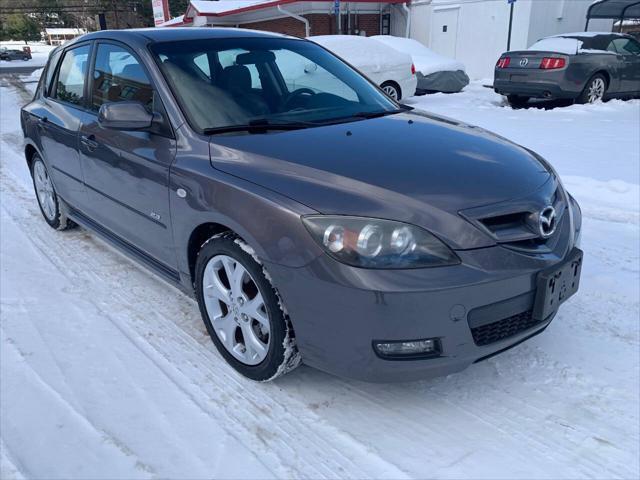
point(414, 348)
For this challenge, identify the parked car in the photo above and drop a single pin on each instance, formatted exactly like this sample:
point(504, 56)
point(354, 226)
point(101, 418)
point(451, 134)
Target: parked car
point(585, 67)
point(435, 72)
point(393, 71)
point(360, 237)
point(8, 54)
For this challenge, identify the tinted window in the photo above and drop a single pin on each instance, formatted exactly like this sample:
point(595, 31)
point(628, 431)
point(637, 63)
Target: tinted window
point(273, 80)
point(118, 76)
point(626, 47)
point(71, 76)
point(49, 72)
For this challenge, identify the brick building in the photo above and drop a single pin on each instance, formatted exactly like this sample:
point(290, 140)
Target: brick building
point(293, 17)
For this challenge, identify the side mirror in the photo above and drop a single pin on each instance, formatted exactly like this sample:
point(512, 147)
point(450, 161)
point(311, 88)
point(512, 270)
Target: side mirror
point(124, 116)
point(310, 68)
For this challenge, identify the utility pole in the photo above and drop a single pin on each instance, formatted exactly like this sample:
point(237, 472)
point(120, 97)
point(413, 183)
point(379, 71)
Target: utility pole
point(511, 4)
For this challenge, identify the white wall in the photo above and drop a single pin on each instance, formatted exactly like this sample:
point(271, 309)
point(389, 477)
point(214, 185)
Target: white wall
point(551, 17)
point(483, 27)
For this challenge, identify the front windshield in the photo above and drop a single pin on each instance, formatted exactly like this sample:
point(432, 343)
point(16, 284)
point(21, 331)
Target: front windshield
point(232, 82)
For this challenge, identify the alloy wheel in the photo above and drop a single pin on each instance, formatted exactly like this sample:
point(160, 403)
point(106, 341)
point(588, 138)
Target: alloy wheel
point(44, 190)
point(391, 91)
point(596, 90)
point(236, 309)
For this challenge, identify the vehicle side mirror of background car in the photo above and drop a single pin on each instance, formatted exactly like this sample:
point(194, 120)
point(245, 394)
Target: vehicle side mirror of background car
point(124, 116)
point(310, 68)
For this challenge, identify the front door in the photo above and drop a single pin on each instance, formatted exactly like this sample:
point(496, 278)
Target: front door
point(59, 122)
point(127, 172)
point(629, 51)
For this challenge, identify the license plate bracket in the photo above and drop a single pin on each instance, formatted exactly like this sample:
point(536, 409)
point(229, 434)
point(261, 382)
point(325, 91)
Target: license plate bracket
point(556, 284)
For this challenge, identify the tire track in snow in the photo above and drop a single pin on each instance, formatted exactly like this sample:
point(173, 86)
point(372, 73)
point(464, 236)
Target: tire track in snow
point(304, 446)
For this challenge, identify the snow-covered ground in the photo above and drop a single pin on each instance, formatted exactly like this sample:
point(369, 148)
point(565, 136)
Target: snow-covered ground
point(107, 371)
point(39, 54)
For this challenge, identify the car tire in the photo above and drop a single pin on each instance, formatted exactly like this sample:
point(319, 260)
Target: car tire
point(257, 351)
point(52, 208)
point(594, 90)
point(392, 89)
point(517, 101)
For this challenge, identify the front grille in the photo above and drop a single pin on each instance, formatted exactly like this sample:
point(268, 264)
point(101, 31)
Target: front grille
point(505, 328)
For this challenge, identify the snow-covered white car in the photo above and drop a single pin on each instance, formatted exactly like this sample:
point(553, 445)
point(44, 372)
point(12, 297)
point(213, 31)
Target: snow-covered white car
point(434, 72)
point(392, 70)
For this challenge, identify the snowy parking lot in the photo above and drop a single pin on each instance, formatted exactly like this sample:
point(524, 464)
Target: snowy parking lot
point(107, 371)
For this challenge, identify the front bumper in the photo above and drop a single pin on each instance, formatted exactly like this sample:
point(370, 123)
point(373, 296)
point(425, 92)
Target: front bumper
point(338, 311)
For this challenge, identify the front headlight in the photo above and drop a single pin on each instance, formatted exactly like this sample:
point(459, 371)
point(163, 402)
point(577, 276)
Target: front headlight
point(376, 243)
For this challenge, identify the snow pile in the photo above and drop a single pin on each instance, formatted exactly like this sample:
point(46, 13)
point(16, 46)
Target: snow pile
point(362, 52)
point(425, 60)
point(568, 46)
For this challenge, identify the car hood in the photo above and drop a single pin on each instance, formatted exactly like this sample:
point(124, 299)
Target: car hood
point(413, 167)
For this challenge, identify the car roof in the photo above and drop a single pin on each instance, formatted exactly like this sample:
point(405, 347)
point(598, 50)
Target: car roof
point(172, 34)
point(593, 40)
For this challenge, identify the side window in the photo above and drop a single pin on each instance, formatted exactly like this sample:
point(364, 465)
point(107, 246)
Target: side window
point(612, 47)
point(202, 62)
point(627, 47)
point(117, 77)
point(46, 79)
point(71, 75)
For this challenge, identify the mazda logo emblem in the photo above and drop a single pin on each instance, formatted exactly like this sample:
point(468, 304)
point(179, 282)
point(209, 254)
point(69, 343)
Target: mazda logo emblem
point(547, 221)
point(524, 62)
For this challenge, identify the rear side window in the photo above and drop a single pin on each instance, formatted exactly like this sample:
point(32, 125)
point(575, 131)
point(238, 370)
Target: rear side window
point(118, 76)
point(71, 75)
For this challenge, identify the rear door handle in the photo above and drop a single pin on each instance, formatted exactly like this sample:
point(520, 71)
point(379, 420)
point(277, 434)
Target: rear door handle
point(89, 142)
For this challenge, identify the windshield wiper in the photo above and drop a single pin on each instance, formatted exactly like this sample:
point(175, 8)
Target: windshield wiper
point(260, 125)
point(381, 113)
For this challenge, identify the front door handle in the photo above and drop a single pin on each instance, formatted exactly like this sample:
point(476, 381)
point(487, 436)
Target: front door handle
point(42, 122)
point(89, 142)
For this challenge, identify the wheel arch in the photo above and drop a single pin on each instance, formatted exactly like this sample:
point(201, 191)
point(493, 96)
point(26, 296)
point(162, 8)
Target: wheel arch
point(198, 237)
point(29, 152)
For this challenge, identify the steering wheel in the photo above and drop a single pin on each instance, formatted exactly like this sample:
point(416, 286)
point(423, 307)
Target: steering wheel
point(295, 94)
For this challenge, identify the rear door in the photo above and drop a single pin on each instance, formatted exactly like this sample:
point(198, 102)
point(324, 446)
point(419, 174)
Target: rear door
point(59, 122)
point(127, 172)
point(629, 51)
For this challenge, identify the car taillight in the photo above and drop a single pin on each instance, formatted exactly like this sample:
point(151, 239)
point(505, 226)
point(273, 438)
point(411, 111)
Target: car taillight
point(503, 62)
point(549, 63)
point(413, 69)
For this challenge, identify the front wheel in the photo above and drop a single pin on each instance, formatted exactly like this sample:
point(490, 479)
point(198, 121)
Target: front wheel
point(48, 201)
point(392, 89)
point(594, 90)
point(242, 311)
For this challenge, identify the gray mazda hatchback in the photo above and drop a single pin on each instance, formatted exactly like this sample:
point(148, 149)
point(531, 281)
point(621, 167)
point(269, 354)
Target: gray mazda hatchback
point(314, 219)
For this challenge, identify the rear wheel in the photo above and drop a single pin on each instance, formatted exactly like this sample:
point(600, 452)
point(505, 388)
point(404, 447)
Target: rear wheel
point(594, 90)
point(48, 201)
point(517, 101)
point(242, 311)
point(392, 89)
